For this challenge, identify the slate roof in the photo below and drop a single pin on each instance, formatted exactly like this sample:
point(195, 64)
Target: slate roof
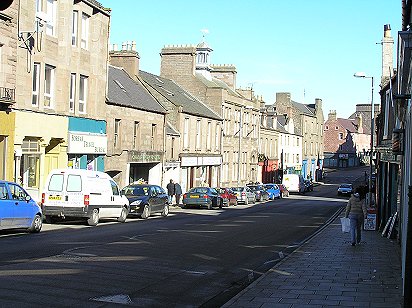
point(216, 83)
point(305, 109)
point(98, 5)
point(124, 91)
point(178, 96)
point(170, 130)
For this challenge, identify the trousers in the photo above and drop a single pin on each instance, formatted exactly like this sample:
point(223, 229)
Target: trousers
point(356, 221)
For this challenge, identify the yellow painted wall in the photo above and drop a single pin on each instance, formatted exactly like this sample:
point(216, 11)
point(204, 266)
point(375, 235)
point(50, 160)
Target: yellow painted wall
point(7, 129)
point(46, 127)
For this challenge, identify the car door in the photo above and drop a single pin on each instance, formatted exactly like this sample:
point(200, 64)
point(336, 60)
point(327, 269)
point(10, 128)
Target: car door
point(22, 207)
point(117, 202)
point(6, 207)
point(161, 198)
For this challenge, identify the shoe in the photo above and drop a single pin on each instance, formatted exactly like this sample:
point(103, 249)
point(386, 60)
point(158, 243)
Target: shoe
point(353, 244)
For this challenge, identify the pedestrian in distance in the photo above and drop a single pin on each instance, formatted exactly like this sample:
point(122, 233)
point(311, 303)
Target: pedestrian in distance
point(178, 193)
point(170, 191)
point(356, 211)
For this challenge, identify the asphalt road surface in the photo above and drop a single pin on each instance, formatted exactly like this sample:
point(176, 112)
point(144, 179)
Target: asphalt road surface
point(193, 258)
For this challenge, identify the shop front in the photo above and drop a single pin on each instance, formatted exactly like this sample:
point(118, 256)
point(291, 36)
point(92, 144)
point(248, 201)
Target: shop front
point(87, 144)
point(146, 166)
point(40, 145)
point(200, 171)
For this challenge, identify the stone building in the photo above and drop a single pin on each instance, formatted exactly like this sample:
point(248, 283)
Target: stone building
point(308, 122)
point(280, 146)
point(8, 64)
point(190, 68)
point(60, 105)
point(193, 141)
point(136, 123)
point(345, 142)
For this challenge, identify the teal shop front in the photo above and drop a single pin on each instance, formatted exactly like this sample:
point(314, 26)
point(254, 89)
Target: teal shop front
point(87, 144)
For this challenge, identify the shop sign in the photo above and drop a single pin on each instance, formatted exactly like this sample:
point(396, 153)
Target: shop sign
point(172, 164)
point(87, 143)
point(344, 156)
point(388, 156)
point(201, 161)
point(144, 157)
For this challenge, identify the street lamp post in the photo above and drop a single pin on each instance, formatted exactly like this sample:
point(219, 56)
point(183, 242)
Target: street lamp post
point(363, 75)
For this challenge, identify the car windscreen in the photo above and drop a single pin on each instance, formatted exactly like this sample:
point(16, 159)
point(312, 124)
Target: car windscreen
point(136, 190)
point(199, 190)
point(346, 186)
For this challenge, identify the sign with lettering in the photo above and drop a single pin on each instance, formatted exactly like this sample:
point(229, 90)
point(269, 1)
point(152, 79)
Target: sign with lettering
point(145, 157)
point(87, 143)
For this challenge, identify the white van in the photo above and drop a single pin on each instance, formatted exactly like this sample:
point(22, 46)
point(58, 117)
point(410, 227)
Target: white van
point(83, 193)
point(294, 183)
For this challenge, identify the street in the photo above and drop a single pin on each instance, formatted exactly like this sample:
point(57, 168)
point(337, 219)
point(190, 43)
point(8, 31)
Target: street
point(194, 257)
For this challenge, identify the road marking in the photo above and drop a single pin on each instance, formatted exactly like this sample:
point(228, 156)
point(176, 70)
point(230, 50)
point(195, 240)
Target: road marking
point(117, 299)
point(195, 273)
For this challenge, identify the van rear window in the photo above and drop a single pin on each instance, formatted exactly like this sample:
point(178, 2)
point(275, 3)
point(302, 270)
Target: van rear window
point(56, 182)
point(74, 183)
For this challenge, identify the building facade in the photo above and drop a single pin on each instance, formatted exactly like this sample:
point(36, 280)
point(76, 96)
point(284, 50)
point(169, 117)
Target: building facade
point(308, 122)
point(345, 143)
point(62, 67)
point(193, 155)
point(189, 67)
point(8, 66)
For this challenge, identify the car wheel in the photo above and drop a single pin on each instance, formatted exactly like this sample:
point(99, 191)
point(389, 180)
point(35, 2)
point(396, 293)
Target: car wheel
point(50, 219)
point(36, 224)
point(146, 212)
point(165, 210)
point(94, 218)
point(123, 215)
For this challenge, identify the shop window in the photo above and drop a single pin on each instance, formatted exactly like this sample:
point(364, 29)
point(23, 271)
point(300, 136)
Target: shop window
point(29, 168)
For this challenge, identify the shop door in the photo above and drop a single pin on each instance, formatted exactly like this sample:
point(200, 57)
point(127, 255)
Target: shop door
point(51, 161)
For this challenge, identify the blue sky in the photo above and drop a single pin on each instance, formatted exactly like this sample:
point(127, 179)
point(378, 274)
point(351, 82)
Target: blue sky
point(310, 48)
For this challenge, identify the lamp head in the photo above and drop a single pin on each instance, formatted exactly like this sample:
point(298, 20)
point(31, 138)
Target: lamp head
point(360, 75)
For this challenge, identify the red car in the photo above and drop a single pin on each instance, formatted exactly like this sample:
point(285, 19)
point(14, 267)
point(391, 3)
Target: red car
point(228, 196)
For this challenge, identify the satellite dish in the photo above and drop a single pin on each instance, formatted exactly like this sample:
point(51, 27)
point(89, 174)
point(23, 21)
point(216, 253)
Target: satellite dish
point(4, 4)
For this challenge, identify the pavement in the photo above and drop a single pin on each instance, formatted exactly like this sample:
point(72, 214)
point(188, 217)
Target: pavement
point(326, 271)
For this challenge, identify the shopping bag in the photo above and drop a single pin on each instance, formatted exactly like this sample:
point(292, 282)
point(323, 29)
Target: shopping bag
point(345, 224)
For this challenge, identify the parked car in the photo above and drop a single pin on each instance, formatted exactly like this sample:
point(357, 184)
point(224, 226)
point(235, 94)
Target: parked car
point(308, 185)
point(202, 196)
point(244, 194)
point(17, 209)
point(260, 191)
point(83, 194)
point(294, 183)
point(228, 196)
point(146, 199)
point(273, 191)
point(345, 189)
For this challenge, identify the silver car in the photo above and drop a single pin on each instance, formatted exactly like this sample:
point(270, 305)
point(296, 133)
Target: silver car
point(345, 189)
point(244, 194)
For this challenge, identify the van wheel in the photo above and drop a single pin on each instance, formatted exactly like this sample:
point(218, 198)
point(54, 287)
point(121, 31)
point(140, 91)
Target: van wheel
point(146, 212)
point(36, 224)
point(165, 210)
point(94, 218)
point(123, 215)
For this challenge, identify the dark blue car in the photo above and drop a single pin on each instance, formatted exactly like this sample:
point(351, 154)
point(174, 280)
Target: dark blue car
point(146, 199)
point(17, 209)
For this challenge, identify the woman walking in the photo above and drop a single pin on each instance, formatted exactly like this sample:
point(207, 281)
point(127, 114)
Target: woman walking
point(356, 211)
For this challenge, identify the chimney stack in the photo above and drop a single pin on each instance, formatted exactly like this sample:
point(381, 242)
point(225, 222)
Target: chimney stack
point(332, 115)
point(127, 58)
point(387, 54)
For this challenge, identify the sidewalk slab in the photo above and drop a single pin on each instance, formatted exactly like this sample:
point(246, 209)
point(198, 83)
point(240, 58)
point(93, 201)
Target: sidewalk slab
point(327, 271)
